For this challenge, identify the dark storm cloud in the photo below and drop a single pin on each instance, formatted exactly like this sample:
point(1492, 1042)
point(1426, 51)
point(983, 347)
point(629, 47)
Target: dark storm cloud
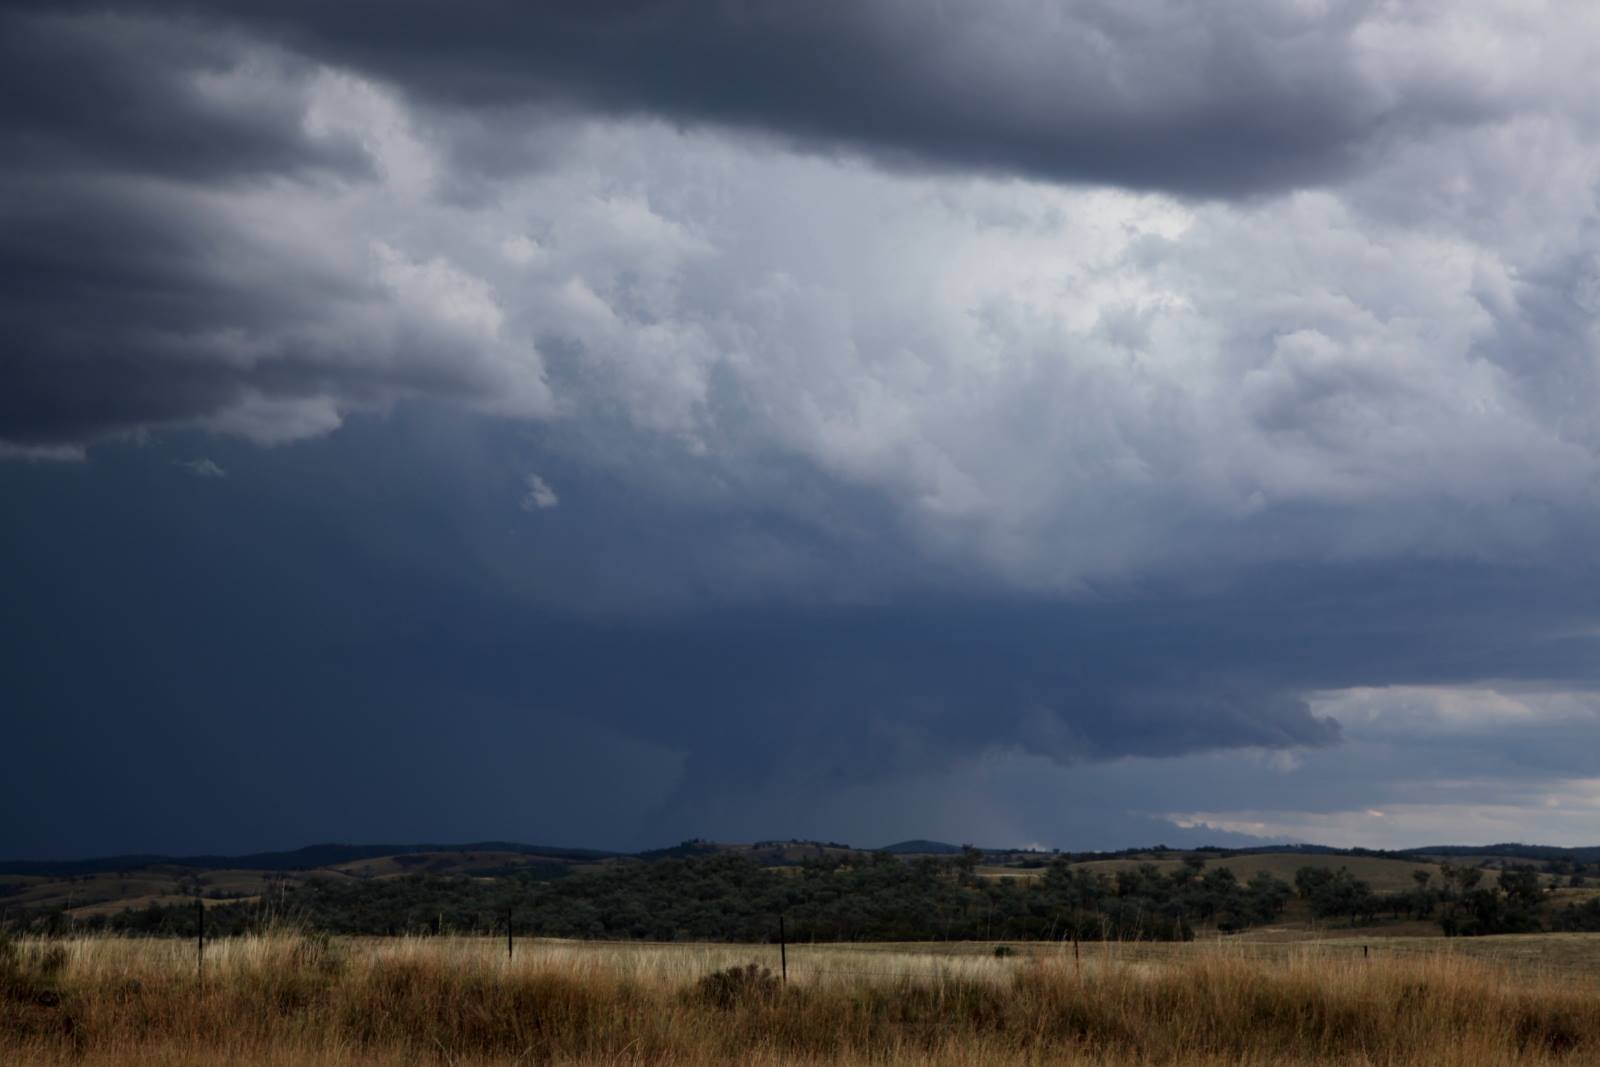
point(120, 284)
point(1210, 99)
point(143, 290)
point(105, 287)
point(98, 92)
point(338, 610)
point(129, 307)
point(155, 266)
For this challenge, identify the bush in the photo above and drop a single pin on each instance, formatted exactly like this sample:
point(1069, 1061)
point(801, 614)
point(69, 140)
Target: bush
point(738, 986)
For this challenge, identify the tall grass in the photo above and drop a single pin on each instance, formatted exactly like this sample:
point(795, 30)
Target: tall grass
point(292, 999)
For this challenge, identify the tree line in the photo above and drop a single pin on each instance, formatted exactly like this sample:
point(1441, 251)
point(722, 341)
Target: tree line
point(729, 897)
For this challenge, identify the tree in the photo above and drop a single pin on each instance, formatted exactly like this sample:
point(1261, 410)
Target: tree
point(1307, 880)
point(1267, 896)
point(1333, 893)
point(967, 863)
point(1522, 887)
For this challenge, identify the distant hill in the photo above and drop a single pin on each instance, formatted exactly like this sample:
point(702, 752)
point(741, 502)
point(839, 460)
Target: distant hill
point(332, 855)
point(680, 851)
point(1513, 850)
point(921, 847)
point(777, 853)
point(301, 859)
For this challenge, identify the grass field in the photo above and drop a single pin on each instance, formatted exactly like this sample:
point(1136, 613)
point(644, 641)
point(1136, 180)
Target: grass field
point(287, 999)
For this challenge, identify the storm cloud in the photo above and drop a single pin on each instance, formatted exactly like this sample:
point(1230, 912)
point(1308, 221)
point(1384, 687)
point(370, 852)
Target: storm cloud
point(1221, 99)
point(853, 399)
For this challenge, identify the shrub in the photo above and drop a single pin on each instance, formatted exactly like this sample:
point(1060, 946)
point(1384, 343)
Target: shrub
point(737, 986)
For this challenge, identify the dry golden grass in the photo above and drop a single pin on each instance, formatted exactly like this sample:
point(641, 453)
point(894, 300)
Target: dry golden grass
point(287, 999)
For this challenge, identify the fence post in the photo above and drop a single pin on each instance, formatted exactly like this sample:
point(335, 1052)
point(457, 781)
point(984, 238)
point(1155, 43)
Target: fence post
point(508, 935)
point(200, 940)
point(1364, 951)
point(783, 949)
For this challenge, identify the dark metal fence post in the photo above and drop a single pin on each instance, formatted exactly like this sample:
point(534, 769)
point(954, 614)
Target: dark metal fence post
point(509, 948)
point(200, 939)
point(783, 949)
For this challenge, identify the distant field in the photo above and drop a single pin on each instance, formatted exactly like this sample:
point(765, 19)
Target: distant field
point(1010, 872)
point(164, 900)
point(1385, 875)
point(93, 889)
point(93, 894)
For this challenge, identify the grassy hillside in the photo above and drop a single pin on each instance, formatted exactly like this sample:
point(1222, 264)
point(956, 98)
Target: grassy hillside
point(1385, 875)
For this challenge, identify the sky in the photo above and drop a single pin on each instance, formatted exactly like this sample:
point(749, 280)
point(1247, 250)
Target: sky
point(1028, 422)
